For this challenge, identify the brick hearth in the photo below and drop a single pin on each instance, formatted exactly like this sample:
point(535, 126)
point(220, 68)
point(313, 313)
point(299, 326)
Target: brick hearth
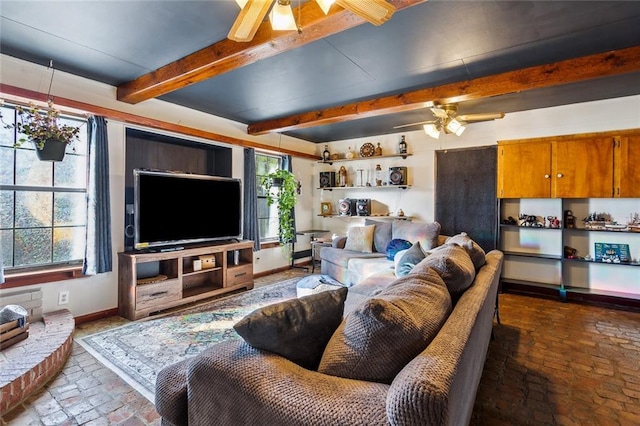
point(26, 366)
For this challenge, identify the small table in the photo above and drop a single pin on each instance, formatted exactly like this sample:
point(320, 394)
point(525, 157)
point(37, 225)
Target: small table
point(315, 252)
point(298, 254)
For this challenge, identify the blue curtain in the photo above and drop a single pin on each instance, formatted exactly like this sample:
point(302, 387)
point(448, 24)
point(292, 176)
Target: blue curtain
point(250, 200)
point(97, 256)
point(287, 165)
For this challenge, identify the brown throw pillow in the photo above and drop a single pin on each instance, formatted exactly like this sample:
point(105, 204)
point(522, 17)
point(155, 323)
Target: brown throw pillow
point(453, 264)
point(476, 252)
point(379, 337)
point(297, 329)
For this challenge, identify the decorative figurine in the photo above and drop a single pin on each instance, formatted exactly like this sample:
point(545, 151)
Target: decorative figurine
point(378, 175)
point(350, 154)
point(326, 155)
point(378, 150)
point(402, 147)
point(569, 219)
point(342, 176)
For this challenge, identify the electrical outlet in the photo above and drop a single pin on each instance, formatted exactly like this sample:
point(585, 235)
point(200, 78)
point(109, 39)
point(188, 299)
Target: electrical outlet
point(63, 297)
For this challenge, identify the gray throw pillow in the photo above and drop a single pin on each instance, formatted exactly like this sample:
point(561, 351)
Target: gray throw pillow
point(379, 337)
point(381, 234)
point(408, 259)
point(453, 264)
point(476, 252)
point(297, 329)
point(425, 233)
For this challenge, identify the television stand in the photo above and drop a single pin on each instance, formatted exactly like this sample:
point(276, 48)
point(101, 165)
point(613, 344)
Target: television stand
point(176, 281)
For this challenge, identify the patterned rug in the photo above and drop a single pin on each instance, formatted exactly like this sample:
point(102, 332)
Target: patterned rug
point(138, 351)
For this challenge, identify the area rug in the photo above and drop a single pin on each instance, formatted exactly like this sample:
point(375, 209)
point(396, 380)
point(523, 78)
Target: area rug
point(138, 351)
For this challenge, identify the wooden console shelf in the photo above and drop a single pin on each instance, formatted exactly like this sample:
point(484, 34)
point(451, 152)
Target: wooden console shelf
point(150, 282)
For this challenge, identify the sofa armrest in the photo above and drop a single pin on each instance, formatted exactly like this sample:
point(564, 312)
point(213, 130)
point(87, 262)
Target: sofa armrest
point(339, 242)
point(171, 394)
point(232, 383)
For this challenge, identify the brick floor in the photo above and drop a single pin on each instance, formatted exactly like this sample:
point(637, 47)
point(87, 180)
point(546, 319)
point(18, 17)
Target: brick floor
point(550, 363)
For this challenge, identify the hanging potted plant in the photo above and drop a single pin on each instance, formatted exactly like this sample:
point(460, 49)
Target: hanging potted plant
point(286, 198)
point(44, 130)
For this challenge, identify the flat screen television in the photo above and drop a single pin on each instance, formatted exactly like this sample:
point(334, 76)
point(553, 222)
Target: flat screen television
point(173, 209)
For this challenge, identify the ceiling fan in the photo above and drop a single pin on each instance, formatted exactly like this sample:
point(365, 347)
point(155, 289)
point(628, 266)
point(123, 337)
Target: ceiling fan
point(446, 119)
point(253, 12)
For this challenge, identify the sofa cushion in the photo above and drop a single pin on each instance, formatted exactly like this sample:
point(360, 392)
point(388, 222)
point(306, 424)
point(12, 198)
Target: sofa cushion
point(476, 252)
point(381, 335)
point(407, 259)
point(361, 268)
point(395, 246)
point(381, 234)
point(426, 233)
point(453, 264)
point(360, 238)
point(298, 329)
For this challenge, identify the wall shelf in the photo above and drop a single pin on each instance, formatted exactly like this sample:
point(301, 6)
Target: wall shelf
point(366, 217)
point(373, 157)
point(535, 256)
point(376, 188)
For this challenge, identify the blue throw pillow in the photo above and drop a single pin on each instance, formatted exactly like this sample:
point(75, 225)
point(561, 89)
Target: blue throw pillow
point(409, 259)
point(395, 246)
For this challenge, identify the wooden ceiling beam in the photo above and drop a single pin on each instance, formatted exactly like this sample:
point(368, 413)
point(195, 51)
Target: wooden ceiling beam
point(564, 72)
point(18, 94)
point(227, 55)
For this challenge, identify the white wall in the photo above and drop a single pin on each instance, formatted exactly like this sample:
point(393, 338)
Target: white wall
point(418, 201)
point(99, 293)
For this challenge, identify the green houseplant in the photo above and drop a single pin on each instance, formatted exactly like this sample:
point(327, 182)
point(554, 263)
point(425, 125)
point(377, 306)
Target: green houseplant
point(44, 129)
point(286, 197)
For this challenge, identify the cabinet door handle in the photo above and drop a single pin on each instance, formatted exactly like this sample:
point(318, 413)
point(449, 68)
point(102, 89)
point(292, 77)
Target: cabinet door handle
point(240, 275)
point(547, 176)
point(559, 175)
point(160, 293)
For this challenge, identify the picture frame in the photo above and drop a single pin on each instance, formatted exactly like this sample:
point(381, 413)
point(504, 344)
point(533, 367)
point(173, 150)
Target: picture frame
point(325, 209)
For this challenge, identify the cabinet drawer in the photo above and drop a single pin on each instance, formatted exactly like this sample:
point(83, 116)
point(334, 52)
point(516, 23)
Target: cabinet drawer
point(155, 295)
point(239, 274)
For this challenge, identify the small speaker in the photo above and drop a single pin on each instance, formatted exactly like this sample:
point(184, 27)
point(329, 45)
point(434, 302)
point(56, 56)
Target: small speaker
point(363, 207)
point(347, 207)
point(327, 179)
point(397, 175)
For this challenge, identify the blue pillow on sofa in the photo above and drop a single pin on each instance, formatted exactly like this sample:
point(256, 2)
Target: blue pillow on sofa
point(395, 246)
point(408, 259)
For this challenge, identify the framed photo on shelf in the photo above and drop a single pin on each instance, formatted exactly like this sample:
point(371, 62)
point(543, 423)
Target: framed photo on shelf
point(325, 209)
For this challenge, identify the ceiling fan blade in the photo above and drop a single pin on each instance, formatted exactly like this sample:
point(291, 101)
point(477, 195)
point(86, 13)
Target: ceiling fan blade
point(439, 112)
point(375, 11)
point(414, 124)
point(249, 19)
point(486, 116)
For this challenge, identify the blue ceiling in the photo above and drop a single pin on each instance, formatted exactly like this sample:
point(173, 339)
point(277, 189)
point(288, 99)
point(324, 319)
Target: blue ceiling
point(431, 44)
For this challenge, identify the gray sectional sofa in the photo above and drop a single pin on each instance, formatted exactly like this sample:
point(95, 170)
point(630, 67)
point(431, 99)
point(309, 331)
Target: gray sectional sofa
point(408, 350)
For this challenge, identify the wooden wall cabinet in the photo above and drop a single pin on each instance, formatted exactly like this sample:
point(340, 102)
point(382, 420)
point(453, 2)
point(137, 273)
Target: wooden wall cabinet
point(627, 166)
point(602, 165)
point(178, 283)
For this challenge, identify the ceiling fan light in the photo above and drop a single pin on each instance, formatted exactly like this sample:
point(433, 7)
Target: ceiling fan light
point(455, 126)
point(432, 130)
point(281, 16)
point(376, 12)
point(325, 5)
